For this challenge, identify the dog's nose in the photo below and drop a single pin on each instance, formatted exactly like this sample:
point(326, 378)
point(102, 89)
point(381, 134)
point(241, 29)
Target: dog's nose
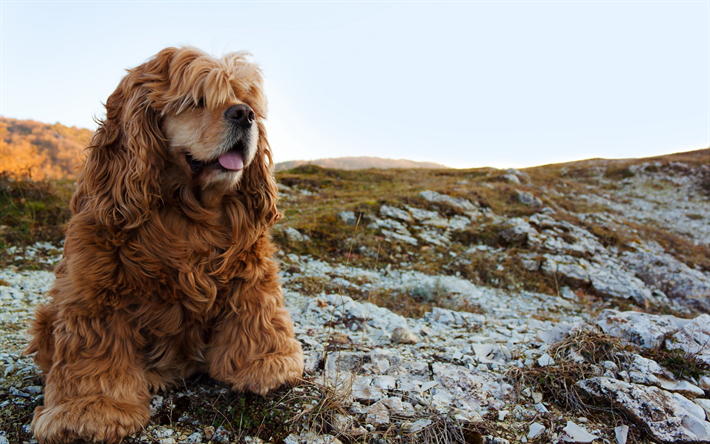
point(241, 115)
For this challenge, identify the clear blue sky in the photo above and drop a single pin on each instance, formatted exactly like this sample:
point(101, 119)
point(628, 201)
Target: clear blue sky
point(504, 84)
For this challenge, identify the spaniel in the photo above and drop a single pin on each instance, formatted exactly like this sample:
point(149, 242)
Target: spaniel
point(167, 267)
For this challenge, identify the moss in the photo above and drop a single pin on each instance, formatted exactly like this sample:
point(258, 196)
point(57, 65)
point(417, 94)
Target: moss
point(683, 365)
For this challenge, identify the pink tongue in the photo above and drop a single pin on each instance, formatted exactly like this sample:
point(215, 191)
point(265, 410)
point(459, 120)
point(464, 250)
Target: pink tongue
point(232, 160)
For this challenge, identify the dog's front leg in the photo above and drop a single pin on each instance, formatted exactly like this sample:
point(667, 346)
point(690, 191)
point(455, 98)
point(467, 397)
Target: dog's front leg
point(95, 389)
point(253, 346)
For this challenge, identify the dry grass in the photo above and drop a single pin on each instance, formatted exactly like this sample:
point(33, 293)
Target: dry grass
point(557, 381)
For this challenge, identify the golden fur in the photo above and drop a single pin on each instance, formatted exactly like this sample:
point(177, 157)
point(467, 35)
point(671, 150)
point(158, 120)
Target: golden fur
point(166, 271)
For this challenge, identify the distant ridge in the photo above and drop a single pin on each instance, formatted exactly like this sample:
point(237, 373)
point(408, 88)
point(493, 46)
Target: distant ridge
point(358, 163)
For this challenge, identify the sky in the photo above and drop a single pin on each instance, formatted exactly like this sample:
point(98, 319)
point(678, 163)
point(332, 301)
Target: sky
point(464, 84)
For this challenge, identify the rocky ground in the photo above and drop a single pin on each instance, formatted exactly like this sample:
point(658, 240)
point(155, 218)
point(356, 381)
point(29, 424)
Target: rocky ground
point(566, 303)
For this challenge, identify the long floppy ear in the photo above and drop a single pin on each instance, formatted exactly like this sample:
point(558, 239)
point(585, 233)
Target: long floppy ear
point(119, 183)
point(259, 185)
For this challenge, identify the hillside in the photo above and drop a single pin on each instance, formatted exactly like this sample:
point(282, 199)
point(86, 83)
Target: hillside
point(561, 303)
point(39, 151)
point(358, 163)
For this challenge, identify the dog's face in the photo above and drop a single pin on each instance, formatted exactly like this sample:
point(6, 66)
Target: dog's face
point(212, 147)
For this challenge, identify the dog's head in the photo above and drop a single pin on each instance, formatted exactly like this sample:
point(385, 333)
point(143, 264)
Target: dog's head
point(183, 123)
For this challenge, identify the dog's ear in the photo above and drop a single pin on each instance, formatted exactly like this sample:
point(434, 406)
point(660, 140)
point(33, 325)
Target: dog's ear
point(120, 180)
point(258, 184)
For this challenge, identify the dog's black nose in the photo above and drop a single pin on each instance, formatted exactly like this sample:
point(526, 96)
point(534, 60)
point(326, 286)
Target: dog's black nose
point(241, 115)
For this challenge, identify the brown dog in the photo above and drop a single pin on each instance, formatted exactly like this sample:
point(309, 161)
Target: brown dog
point(167, 264)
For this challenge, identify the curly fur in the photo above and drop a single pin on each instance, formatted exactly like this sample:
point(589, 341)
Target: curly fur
point(166, 272)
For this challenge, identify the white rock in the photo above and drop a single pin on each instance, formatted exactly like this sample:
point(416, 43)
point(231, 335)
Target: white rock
point(402, 335)
point(661, 412)
point(545, 360)
point(399, 408)
point(575, 433)
point(705, 404)
point(429, 384)
point(416, 426)
point(156, 403)
point(536, 429)
point(395, 213)
point(384, 382)
point(363, 390)
point(295, 236)
point(433, 196)
point(540, 407)
point(686, 387)
point(621, 433)
point(348, 217)
point(502, 414)
point(653, 331)
point(194, 438)
point(378, 415)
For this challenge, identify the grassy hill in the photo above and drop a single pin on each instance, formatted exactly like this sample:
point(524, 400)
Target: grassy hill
point(485, 269)
point(358, 163)
point(37, 150)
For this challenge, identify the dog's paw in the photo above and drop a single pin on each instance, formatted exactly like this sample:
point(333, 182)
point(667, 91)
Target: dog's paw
point(269, 372)
point(94, 419)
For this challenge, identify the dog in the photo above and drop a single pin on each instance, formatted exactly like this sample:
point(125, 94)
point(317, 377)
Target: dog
point(167, 267)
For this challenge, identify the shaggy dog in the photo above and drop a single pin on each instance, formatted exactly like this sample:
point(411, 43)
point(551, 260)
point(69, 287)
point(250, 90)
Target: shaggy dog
point(167, 267)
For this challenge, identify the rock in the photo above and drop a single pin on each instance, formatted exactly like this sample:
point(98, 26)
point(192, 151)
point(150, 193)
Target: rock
point(688, 389)
point(416, 426)
point(403, 335)
point(555, 334)
point(655, 331)
point(395, 213)
point(363, 390)
point(519, 174)
point(512, 178)
point(348, 217)
point(221, 435)
point(705, 383)
point(398, 407)
point(156, 403)
point(545, 360)
point(637, 328)
point(9, 370)
point(378, 415)
point(536, 429)
point(519, 231)
point(194, 438)
point(457, 318)
point(346, 424)
point(384, 382)
point(527, 198)
point(33, 389)
point(705, 405)
point(674, 278)
point(14, 392)
point(621, 433)
point(572, 269)
point(433, 196)
point(311, 437)
point(646, 371)
point(342, 361)
point(575, 433)
point(294, 235)
point(669, 418)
